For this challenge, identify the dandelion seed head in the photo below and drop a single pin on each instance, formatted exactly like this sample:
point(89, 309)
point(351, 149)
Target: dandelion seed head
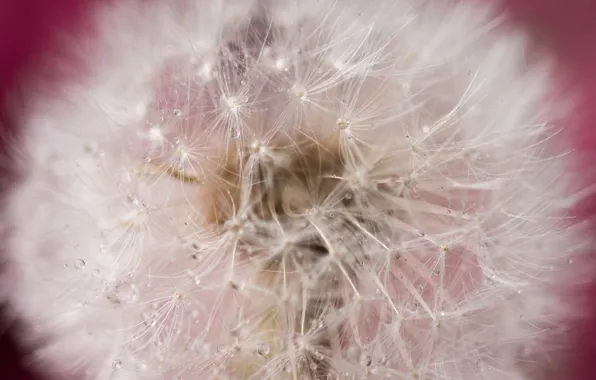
point(293, 190)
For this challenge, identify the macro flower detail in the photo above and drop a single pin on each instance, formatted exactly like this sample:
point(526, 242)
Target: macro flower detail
point(293, 189)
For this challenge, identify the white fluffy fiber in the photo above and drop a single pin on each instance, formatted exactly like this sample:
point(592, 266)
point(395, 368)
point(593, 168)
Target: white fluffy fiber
point(293, 189)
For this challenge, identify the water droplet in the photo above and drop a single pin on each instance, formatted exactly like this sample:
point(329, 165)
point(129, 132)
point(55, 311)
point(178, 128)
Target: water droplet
point(122, 293)
point(263, 349)
point(148, 318)
point(570, 261)
point(480, 365)
point(91, 148)
point(366, 360)
point(79, 264)
point(342, 124)
point(234, 132)
point(194, 277)
point(196, 256)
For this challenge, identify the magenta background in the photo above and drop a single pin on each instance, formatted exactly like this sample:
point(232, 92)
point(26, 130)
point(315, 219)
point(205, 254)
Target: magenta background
point(568, 26)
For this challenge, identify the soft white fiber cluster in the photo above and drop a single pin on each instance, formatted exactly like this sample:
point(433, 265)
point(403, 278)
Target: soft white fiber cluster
point(292, 189)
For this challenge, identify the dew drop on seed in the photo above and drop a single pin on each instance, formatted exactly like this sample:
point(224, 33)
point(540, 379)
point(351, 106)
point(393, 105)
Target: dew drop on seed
point(196, 256)
point(366, 360)
point(148, 318)
point(122, 293)
point(263, 349)
point(342, 124)
point(79, 264)
point(480, 365)
point(195, 278)
point(234, 132)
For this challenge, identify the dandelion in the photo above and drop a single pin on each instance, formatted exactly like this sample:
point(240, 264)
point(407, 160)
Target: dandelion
point(293, 189)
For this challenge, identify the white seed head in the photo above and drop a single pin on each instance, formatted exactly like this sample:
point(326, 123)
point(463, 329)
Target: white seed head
point(294, 189)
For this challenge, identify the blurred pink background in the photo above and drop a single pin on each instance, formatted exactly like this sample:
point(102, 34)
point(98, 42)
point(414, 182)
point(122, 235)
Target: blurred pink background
point(568, 27)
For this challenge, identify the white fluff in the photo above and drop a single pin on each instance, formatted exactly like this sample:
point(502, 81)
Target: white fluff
point(429, 251)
